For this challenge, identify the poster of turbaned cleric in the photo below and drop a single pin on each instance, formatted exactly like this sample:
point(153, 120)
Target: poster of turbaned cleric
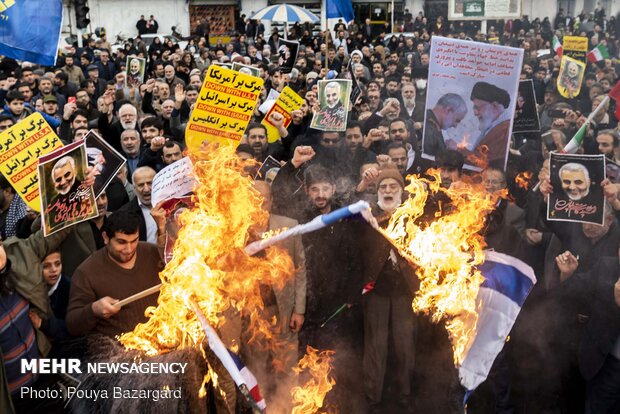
point(104, 159)
point(526, 114)
point(334, 98)
point(577, 192)
point(471, 99)
point(67, 195)
point(287, 55)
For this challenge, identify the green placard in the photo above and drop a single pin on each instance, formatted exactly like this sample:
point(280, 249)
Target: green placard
point(473, 8)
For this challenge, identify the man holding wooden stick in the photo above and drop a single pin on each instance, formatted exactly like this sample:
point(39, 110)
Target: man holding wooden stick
point(123, 268)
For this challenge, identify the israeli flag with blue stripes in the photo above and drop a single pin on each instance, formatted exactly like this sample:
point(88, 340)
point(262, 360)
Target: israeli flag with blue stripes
point(507, 283)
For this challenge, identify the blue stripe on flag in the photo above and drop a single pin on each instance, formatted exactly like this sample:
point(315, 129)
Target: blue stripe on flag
point(507, 280)
point(334, 216)
point(339, 8)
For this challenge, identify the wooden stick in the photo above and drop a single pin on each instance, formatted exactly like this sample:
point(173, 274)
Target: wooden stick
point(138, 296)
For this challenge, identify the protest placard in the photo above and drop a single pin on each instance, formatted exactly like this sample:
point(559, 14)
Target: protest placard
point(268, 169)
point(356, 89)
point(526, 114)
point(470, 103)
point(287, 55)
point(334, 98)
point(105, 159)
point(287, 102)
point(248, 70)
point(175, 180)
point(577, 192)
point(483, 9)
point(20, 147)
point(575, 47)
point(65, 197)
point(134, 71)
point(173, 207)
point(223, 109)
point(571, 76)
point(269, 102)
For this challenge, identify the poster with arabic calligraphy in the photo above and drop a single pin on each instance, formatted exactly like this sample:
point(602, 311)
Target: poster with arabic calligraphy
point(287, 102)
point(471, 98)
point(577, 192)
point(66, 198)
point(20, 147)
point(223, 109)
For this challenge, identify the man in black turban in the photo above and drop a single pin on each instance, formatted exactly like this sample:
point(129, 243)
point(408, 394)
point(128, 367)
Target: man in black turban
point(490, 104)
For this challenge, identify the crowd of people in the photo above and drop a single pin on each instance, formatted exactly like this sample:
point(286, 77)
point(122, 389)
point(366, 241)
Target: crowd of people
point(564, 351)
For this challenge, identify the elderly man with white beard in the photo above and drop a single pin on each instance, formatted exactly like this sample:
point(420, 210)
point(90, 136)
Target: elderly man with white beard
point(112, 128)
point(409, 110)
point(490, 104)
point(388, 316)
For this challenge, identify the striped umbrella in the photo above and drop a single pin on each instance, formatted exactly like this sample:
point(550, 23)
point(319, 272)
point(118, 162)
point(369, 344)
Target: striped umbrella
point(285, 13)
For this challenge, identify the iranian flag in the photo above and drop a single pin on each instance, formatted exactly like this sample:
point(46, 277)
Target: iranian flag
point(557, 46)
point(598, 53)
point(574, 144)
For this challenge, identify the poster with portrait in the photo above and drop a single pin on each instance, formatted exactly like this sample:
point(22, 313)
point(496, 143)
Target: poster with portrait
point(287, 55)
point(356, 89)
point(134, 71)
point(570, 78)
point(526, 113)
point(333, 110)
point(470, 103)
point(484, 9)
point(248, 70)
point(104, 159)
point(65, 197)
point(612, 170)
point(577, 193)
point(174, 207)
point(20, 148)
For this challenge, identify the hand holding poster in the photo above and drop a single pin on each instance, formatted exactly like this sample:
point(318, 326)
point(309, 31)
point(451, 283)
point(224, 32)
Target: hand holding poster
point(20, 147)
point(287, 102)
point(333, 110)
point(472, 90)
point(571, 76)
point(175, 180)
point(223, 109)
point(526, 114)
point(577, 192)
point(105, 159)
point(66, 187)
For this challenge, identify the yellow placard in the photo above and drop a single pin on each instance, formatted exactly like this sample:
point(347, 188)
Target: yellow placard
point(223, 109)
point(571, 75)
point(20, 148)
point(575, 47)
point(287, 102)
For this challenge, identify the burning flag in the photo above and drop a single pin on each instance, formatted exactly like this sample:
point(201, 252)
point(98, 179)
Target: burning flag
point(507, 282)
point(209, 268)
point(445, 253)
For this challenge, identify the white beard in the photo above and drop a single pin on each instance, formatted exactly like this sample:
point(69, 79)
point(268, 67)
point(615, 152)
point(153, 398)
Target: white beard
point(409, 103)
point(128, 125)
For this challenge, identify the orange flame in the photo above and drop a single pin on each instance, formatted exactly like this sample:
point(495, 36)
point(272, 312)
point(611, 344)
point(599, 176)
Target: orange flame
point(524, 179)
point(445, 253)
point(209, 263)
point(309, 398)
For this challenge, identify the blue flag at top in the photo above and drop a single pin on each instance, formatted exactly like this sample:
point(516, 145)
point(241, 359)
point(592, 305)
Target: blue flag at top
point(336, 9)
point(29, 30)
